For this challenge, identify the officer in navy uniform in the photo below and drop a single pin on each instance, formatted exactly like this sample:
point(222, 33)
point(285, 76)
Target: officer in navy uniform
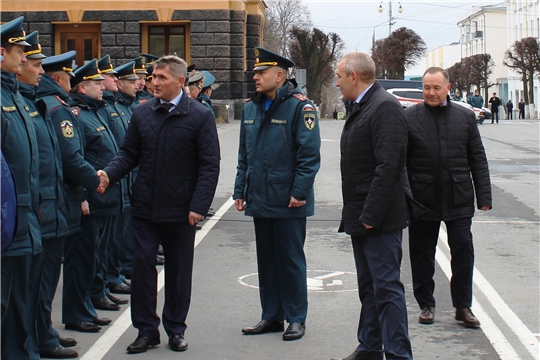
point(140, 70)
point(206, 91)
point(278, 159)
point(125, 104)
point(108, 279)
point(53, 223)
point(149, 60)
point(81, 250)
point(20, 148)
point(149, 77)
point(77, 173)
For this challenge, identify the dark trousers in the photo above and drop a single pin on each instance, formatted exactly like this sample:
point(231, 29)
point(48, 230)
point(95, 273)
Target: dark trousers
point(15, 277)
point(494, 115)
point(80, 253)
point(117, 249)
point(521, 114)
point(37, 268)
point(510, 115)
point(383, 325)
point(423, 237)
point(282, 270)
point(178, 240)
point(103, 252)
point(126, 256)
point(52, 264)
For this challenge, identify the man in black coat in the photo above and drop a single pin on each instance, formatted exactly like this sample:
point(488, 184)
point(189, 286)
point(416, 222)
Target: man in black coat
point(174, 141)
point(447, 166)
point(375, 212)
point(495, 103)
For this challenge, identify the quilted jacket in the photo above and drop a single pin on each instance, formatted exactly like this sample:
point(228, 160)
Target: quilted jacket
point(373, 152)
point(178, 156)
point(445, 157)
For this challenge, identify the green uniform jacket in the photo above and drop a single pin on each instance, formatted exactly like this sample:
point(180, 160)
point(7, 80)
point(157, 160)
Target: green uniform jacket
point(20, 147)
point(278, 156)
point(78, 172)
point(51, 186)
point(99, 149)
point(205, 100)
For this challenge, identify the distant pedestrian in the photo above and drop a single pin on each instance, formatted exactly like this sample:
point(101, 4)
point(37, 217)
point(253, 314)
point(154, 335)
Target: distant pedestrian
point(334, 114)
point(509, 108)
point(495, 103)
point(521, 107)
point(477, 100)
point(457, 96)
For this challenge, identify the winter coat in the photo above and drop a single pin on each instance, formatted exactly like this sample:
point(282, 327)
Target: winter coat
point(178, 156)
point(99, 149)
point(77, 172)
point(278, 156)
point(51, 186)
point(20, 148)
point(373, 151)
point(446, 161)
point(477, 101)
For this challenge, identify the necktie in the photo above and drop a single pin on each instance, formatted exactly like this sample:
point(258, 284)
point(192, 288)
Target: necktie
point(167, 106)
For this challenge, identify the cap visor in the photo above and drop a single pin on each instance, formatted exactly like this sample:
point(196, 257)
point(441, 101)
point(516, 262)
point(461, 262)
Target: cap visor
point(36, 56)
point(23, 43)
point(98, 78)
point(70, 73)
point(257, 68)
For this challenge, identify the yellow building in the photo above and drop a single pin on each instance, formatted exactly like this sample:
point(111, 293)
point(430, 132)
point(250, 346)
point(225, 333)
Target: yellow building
point(216, 35)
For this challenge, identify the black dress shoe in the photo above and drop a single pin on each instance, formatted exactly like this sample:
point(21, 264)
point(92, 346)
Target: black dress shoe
point(59, 353)
point(84, 326)
point(294, 331)
point(160, 260)
point(264, 327)
point(468, 318)
point(105, 304)
point(142, 343)
point(427, 316)
point(102, 321)
point(117, 300)
point(67, 342)
point(121, 289)
point(177, 343)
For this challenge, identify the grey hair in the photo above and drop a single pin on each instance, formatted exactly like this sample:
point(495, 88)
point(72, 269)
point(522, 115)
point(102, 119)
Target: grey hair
point(362, 64)
point(177, 66)
point(434, 70)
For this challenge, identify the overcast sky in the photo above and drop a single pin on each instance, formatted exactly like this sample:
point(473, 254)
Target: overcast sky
point(356, 20)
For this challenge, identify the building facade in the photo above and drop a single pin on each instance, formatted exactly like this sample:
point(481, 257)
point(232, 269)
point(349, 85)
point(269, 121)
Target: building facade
point(216, 35)
point(523, 18)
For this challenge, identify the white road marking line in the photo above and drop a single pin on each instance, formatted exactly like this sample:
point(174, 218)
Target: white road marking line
point(499, 342)
point(327, 276)
point(120, 325)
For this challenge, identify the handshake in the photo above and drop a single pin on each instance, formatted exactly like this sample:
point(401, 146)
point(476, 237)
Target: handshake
point(103, 182)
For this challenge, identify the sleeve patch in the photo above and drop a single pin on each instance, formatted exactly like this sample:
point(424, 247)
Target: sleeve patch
point(67, 129)
point(308, 107)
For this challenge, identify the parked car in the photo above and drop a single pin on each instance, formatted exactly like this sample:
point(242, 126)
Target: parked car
point(409, 97)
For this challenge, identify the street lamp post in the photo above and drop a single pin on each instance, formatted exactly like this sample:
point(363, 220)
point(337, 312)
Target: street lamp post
point(390, 17)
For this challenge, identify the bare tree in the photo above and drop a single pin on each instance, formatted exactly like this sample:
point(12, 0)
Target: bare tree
point(524, 59)
point(484, 65)
point(398, 52)
point(280, 17)
point(316, 52)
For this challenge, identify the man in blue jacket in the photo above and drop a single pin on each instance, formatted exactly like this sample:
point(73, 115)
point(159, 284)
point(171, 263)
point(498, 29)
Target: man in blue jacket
point(174, 141)
point(278, 159)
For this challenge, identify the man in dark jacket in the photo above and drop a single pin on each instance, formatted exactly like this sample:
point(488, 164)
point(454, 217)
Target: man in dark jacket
point(278, 159)
point(174, 141)
point(495, 103)
point(447, 166)
point(373, 148)
point(19, 146)
point(83, 251)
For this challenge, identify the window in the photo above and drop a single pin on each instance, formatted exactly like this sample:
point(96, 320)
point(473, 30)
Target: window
point(167, 40)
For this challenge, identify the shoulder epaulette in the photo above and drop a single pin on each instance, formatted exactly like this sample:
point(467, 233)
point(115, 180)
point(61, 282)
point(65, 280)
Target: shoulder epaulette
point(300, 97)
point(60, 100)
point(75, 110)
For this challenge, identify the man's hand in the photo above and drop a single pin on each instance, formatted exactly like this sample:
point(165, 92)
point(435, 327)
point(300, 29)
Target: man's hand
point(296, 203)
point(85, 207)
point(484, 208)
point(367, 226)
point(240, 204)
point(194, 218)
point(103, 181)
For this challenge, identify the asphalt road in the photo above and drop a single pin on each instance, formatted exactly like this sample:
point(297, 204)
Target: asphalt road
point(225, 297)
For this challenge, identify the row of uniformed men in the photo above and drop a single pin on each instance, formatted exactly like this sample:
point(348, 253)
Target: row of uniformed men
point(58, 127)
